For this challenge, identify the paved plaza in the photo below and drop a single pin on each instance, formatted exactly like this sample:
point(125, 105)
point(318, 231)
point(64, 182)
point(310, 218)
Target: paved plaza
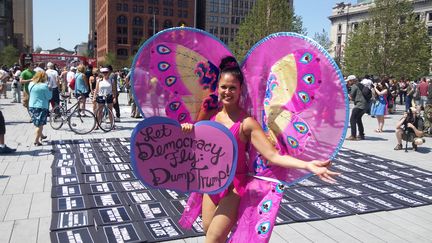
point(25, 186)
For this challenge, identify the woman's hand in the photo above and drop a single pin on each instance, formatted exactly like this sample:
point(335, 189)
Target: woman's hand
point(187, 127)
point(320, 169)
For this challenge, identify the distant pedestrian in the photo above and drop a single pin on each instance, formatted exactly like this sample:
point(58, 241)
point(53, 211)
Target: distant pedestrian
point(3, 148)
point(70, 78)
point(379, 107)
point(402, 91)
point(81, 86)
point(38, 104)
point(409, 95)
point(423, 92)
point(427, 115)
point(366, 81)
point(16, 85)
point(105, 92)
point(53, 84)
point(410, 128)
point(360, 106)
point(25, 79)
point(134, 106)
point(4, 77)
point(113, 79)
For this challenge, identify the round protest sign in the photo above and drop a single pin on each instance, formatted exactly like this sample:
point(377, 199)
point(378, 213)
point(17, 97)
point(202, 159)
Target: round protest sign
point(203, 160)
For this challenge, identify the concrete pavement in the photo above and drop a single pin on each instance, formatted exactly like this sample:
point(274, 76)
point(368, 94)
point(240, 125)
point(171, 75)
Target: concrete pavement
point(25, 187)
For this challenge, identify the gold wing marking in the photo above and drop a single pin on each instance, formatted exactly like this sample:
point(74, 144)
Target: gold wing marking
point(285, 71)
point(188, 60)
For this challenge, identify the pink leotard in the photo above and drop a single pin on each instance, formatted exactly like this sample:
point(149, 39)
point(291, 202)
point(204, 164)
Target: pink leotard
point(194, 204)
point(242, 169)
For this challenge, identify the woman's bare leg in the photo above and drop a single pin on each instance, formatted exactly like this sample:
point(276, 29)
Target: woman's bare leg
point(224, 218)
point(208, 211)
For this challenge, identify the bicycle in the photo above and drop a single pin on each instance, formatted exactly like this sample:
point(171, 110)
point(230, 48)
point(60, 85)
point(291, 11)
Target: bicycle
point(80, 121)
point(105, 116)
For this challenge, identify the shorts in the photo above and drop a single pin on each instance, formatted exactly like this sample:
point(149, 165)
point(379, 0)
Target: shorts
point(77, 95)
point(38, 116)
point(2, 124)
point(101, 100)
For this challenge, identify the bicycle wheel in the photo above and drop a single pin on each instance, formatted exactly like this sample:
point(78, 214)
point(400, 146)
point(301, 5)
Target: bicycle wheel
point(82, 121)
point(56, 117)
point(105, 118)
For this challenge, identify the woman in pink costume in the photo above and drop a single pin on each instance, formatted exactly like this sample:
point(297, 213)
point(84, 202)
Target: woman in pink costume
point(219, 212)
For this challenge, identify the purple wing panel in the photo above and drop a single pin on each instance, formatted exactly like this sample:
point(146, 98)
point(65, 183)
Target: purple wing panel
point(175, 73)
point(299, 96)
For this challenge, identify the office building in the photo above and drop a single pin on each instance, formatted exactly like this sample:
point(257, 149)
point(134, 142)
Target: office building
point(23, 25)
point(121, 25)
point(223, 17)
point(6, 24)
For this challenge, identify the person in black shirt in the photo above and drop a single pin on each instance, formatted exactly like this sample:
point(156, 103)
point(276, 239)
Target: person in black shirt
point(410, 128)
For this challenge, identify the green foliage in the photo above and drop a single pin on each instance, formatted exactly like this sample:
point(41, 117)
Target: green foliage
point(9, 55)
point(266, 17)
point(323, 39)
point(109, 59)
point(38, 49)
point(297, 25)
point(391, 42)
point(116, 63)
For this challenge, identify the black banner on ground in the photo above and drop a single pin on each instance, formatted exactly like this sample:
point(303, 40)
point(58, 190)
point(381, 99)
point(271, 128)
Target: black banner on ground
point(96, 197)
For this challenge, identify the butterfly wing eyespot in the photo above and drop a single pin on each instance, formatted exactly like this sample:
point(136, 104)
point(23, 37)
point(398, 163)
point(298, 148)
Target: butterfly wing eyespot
point(306, 58)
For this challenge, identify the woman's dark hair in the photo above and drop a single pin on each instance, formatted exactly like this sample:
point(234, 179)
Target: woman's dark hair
point(229, 65)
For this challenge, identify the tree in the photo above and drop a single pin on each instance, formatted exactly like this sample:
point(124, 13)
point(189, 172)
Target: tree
point(393, 42)
point(266, 17)
point(323, 39)
point(297, 25)
point(38, 49)
point(9, 55)
point(109, 59)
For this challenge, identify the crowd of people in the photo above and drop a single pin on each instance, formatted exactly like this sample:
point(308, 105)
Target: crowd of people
point(39, 86)
point(378, 97)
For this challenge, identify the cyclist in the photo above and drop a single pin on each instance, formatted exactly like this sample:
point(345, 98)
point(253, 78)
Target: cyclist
point(105, 90)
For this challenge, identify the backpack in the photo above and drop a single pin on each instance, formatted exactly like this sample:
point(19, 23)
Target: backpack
point(366, 92)
point(72, 84)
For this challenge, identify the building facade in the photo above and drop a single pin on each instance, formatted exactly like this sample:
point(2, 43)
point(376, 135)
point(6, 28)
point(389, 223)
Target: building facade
point(23, 24)
point(223, 17)
point(121, 25)
point(345, 18)
point(6, 24)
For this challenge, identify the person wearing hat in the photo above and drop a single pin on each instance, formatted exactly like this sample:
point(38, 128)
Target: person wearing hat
point(105, 89)
point(360, 106)
point(69, 77)
point(53, 84)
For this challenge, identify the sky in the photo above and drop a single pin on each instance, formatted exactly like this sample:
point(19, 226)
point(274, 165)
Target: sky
point(315, 14)
point(67, 20)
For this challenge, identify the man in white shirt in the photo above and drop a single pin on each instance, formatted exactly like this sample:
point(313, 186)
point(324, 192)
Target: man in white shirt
point(39, 68)
point(69, 76)
point(4, 77)
point(16, 85)
point(53, 84)
point(366, 81)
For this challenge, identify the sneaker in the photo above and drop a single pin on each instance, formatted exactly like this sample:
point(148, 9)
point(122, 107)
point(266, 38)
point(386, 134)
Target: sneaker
point(7, 150)
point(360, 137)
point(352, 138)
point(398, 147)
point(117, 119)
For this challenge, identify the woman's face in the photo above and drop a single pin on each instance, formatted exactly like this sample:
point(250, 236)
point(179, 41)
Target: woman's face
point(229, 89)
